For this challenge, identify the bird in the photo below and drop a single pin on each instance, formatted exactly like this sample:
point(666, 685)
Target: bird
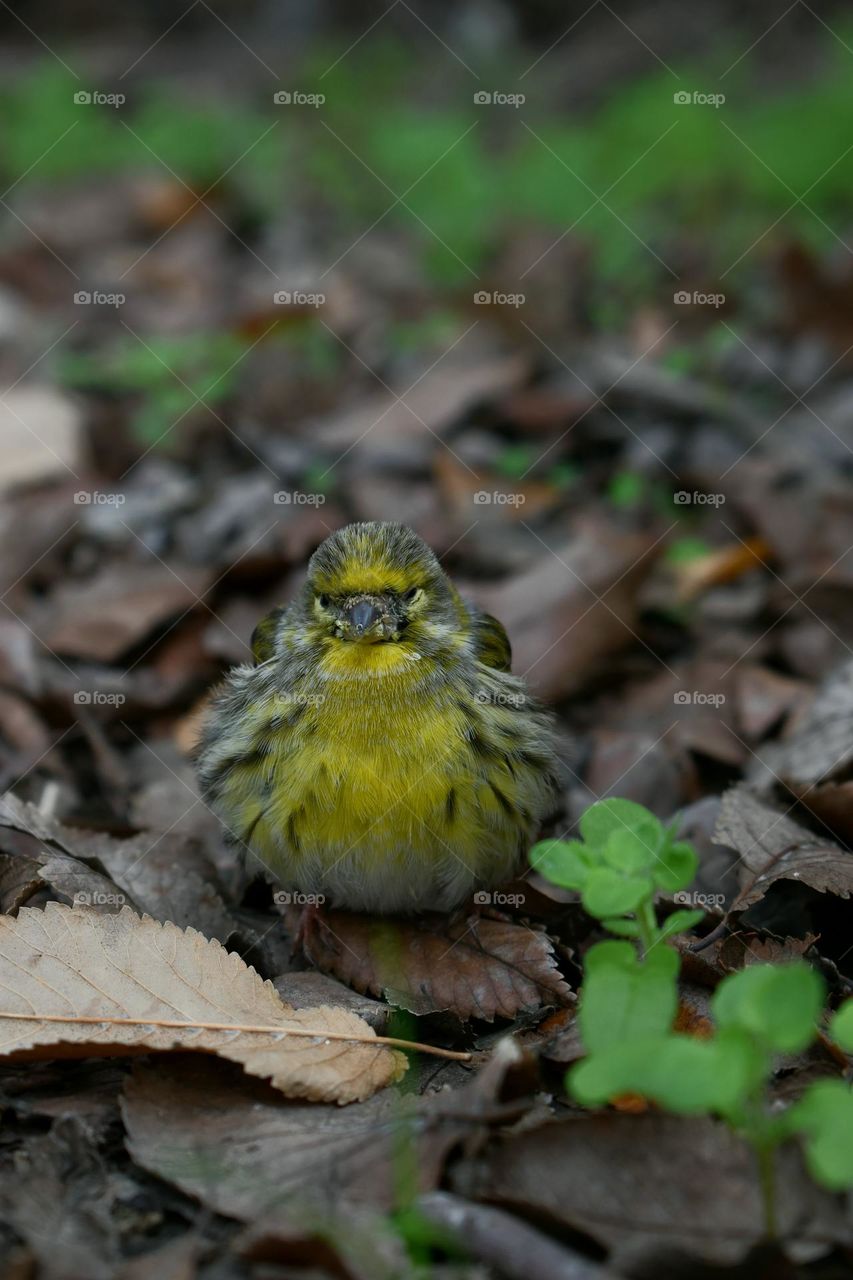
point(377, 755)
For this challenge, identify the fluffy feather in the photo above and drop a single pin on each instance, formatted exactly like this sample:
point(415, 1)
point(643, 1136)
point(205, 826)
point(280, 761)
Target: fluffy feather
point(395, 770)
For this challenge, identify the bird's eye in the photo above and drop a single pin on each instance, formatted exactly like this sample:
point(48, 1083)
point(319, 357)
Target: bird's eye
point(323, 601)
point(411, 593)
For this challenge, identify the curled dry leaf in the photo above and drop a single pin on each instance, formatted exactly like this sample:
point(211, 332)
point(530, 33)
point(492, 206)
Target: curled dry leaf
point(125, 973)
point(476, 968)
point(774, 847)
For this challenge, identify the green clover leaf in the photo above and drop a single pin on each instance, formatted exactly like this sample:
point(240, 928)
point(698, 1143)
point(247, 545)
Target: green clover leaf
point(778, 1005)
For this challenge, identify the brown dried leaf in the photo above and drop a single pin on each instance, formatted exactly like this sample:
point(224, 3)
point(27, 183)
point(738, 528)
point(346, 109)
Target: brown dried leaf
point(433, 404)
point(574, 607)
point(102, 617)
point(764, 697)
point(773, 847)
point(687, 1184)
point(820, 745)
point(832, 805)
point(722, 565)
point(741, 949)
point(308, 989)
point(27, 868)
point(64, 962)
point(475, 968)
point(141, 870)
point(64, 1202)
point(244, 1152)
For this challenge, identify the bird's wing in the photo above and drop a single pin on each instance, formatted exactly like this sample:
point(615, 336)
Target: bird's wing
point(491, 641)
point(264, 635)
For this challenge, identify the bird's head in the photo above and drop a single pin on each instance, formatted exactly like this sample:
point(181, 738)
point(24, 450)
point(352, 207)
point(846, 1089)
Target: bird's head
point(378, 583)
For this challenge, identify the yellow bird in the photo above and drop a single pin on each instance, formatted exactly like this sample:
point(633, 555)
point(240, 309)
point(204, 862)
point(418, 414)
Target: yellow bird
point(379, 754)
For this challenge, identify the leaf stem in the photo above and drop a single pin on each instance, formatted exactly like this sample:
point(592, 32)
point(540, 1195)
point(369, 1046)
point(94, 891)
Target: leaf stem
point(304, 1032)
point(647, 923)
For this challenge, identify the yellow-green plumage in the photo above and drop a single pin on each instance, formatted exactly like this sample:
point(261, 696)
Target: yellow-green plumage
point(379, 753)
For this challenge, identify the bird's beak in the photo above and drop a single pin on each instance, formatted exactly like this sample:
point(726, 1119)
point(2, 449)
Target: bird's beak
point(366, 620)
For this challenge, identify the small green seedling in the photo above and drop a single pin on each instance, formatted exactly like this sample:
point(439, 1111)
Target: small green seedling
point(824, 1115)
point(626, 1013)
point(629, 1000)
point(626, 856)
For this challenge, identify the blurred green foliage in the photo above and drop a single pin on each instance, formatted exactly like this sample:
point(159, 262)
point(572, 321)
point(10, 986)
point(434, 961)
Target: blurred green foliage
point(637, 177)
point(170, 376)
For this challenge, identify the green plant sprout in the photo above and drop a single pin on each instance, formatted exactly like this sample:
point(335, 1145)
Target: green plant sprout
point(760, 1013)
point(629, 1001)
point(172, 374)
point(626, 856)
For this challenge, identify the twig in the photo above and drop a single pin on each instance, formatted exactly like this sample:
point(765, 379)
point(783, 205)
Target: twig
point(304, 1032)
